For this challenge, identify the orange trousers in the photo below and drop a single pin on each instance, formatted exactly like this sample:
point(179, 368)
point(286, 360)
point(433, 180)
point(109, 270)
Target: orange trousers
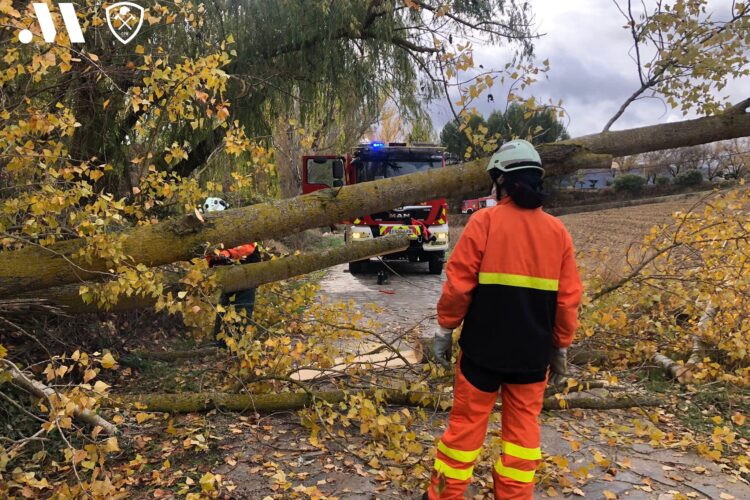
point(460, 445)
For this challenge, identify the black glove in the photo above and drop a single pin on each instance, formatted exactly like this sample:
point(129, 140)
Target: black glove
point(558, 367)
point(441, 346)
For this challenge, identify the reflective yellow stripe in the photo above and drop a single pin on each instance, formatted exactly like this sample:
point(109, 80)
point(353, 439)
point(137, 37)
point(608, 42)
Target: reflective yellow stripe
point(448, 471)
point(522, 476)
point(462, 456)
point(518, 280)
point(520, 452)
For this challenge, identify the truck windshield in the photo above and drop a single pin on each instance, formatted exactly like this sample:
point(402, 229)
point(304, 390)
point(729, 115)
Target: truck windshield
point(370, 170)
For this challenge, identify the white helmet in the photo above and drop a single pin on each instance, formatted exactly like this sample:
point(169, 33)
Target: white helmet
point(214, 205)
point(515, 155)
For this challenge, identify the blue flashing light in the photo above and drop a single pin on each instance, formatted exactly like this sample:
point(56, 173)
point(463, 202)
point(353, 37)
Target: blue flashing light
point(378, 144)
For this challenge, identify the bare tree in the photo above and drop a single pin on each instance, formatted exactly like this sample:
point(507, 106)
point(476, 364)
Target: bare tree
point(735, 157)
point(714, 161)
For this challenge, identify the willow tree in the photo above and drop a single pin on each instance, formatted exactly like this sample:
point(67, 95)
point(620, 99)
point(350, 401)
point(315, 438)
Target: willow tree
point(319, 63)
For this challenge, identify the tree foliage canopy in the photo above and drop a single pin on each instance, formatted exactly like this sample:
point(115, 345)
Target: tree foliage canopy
point(540, 125)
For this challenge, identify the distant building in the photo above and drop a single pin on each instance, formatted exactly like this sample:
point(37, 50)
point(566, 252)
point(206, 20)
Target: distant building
point(599, 178)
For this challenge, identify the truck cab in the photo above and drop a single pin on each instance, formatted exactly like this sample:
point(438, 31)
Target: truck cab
point(426, 223)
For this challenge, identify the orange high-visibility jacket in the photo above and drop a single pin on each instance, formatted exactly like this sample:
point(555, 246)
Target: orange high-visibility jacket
point(513, 281)
point(237, 253)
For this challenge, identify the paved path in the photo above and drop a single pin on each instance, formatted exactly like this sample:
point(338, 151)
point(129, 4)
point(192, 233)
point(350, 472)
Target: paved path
point(408, 298)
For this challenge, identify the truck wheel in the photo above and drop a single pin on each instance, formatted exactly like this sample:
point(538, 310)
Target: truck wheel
point(436, 264)
point(357, 266)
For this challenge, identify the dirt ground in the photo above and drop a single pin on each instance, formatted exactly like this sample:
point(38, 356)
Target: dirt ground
point(256, 464)
point(616, 234)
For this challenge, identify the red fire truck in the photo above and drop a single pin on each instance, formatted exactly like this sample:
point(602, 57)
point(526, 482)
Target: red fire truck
point(471, 206)
point(426, 223)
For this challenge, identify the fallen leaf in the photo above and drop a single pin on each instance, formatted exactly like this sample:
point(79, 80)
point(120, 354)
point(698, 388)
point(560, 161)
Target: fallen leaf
point(108, 361)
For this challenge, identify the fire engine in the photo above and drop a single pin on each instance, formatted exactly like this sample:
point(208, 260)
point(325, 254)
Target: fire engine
point(471, 206)
point(425, 223)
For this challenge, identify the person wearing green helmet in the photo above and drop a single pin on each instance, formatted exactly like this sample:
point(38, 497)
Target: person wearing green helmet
point(513, 283)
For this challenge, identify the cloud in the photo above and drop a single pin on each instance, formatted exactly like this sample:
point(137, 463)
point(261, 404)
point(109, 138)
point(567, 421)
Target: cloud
point(590, 69)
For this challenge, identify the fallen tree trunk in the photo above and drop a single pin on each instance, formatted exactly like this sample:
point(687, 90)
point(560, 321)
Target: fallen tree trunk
point(34, 267)
point(235, 278)
point(197, 402)
point(40, 390)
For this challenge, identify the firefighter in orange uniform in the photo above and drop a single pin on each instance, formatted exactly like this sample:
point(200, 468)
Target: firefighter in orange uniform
point(244, 254)
point(512, 280)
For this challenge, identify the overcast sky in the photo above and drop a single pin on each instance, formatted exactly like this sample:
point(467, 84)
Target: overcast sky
point(590, 69)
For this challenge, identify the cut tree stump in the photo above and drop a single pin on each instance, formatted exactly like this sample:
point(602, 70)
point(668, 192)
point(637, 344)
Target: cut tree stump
point(379, 361)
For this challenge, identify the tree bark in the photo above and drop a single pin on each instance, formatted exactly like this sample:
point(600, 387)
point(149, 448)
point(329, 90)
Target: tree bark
point(285, 401)
point(233, 278)
point(34, 268)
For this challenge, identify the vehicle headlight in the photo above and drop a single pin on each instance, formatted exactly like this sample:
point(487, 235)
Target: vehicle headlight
point(442, 236)
point(356, 236)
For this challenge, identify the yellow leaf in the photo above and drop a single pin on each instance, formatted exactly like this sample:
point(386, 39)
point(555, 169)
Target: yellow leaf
point(108, 361)
point(139, 49)
point(609, 495)
point(207, 482)
point(89, 375)
point(100, 387)
point(111, 445)
point(142, 417)
point(737, 418)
